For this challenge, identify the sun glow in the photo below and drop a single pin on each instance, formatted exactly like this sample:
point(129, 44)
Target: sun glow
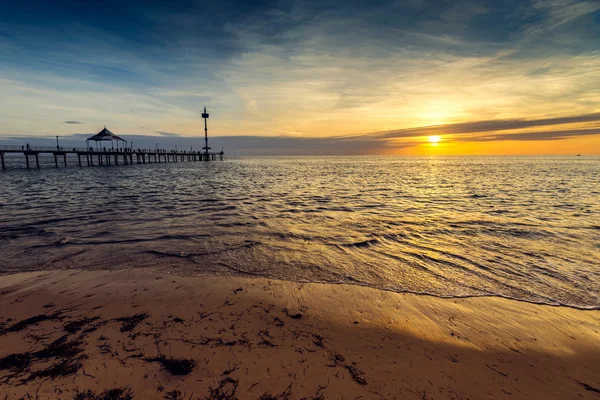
point(434, 139)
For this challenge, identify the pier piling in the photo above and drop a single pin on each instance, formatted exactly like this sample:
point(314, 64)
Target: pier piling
point(130, 157)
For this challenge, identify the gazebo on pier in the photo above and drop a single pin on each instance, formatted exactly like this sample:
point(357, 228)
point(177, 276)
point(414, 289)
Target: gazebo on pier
point(105, 135)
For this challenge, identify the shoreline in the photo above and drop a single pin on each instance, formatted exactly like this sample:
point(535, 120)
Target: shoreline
point(300, 340)
point(549, 303)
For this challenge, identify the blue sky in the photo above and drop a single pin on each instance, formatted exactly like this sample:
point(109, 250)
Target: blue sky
point(285, 71)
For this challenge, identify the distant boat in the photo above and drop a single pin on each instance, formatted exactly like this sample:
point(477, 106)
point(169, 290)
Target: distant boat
point(578, 155)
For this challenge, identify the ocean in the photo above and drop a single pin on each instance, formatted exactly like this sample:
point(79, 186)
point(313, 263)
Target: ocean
point(526, 228)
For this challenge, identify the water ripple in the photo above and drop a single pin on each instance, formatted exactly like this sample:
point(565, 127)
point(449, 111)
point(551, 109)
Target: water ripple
point(515, 227)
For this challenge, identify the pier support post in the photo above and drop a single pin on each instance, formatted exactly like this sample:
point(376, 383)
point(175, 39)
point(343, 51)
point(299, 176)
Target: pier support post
point(55, 160)
point(37, 160)
point(65, 158)
point(116, 159)
point(79, 158)
point(99, 159)
point(2, 158)
point(27, 159)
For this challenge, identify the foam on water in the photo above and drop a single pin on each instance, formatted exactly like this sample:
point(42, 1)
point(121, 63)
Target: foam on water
point(526, 228)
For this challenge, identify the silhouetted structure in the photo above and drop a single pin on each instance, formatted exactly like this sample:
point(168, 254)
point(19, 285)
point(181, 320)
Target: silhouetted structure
point(106, 135)
point(106, 156)
point(205, 116)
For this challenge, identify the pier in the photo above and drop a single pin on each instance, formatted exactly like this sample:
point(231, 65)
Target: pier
point(91, 157)
point(124, 155)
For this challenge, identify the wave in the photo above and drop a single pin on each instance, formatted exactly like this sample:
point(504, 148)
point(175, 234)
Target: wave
point(549, 302)
point(364, 243)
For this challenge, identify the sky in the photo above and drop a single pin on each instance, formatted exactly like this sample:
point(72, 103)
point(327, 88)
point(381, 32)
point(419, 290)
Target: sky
point(288, 77)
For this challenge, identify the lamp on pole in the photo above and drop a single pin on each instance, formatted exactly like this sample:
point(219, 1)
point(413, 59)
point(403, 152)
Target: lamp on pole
point(206, 148)
point(57, 146)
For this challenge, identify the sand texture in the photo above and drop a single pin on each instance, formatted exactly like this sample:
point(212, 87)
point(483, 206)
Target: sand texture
point(144, 335)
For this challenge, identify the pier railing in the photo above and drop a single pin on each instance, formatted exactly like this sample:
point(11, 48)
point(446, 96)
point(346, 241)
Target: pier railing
point(51, 149)
point(103, 156)
point(40, 148)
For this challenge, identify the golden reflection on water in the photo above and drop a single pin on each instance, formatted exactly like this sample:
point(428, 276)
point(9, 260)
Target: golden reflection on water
point(518, 227)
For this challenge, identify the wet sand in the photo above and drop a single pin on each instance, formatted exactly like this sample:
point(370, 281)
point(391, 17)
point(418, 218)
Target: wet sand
point(157, 336)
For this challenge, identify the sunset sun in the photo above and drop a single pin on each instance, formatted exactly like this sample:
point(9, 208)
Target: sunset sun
point(434, 139)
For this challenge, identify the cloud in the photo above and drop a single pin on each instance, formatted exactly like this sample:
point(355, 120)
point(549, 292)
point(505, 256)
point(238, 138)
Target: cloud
point(235, 145)
point(374, 143)
point(301, 69)
point(73, 122)
point(529, 136)
point(492, 126)
point(161, 133)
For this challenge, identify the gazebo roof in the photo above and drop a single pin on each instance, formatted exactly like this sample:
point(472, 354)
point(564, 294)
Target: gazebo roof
point(105, 134)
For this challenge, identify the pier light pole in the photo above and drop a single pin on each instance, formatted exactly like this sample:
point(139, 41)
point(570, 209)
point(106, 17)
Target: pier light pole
point(57, 146)
point(206, 148)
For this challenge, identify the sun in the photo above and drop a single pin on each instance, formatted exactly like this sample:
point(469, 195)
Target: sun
point(434, 139)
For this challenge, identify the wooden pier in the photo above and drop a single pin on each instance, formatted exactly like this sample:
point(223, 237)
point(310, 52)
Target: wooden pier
point(122, 155)
point(90, 157)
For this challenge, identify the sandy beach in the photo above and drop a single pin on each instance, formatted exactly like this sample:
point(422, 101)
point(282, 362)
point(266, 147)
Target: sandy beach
point(138, 334)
